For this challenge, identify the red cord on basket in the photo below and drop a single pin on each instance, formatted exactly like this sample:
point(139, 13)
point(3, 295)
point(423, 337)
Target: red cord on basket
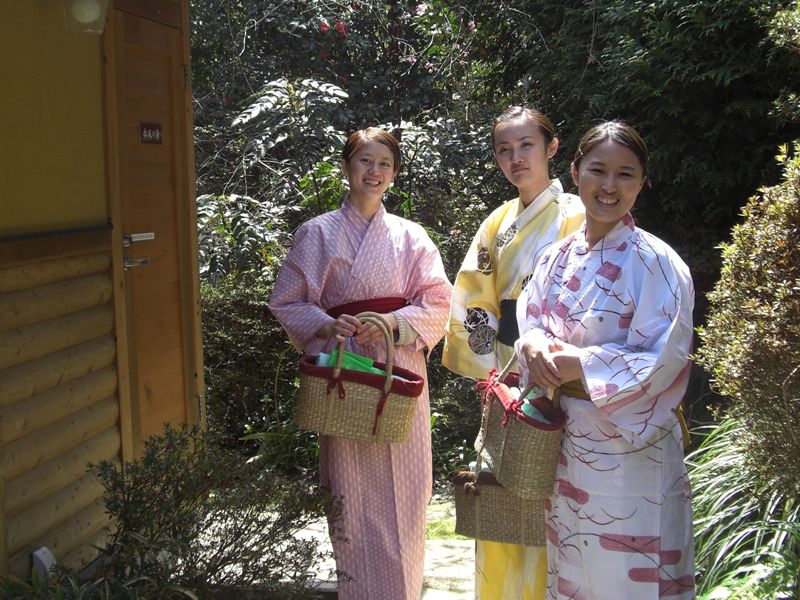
point(378, 412)
point(487, 386)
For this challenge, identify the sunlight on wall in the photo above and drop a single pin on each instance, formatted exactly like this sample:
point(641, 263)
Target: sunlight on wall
point(52, 161)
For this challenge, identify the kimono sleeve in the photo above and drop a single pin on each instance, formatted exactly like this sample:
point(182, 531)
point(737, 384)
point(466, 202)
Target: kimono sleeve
point(429, 291)
point(640, 382)
point(295, 299)
point(475, 288)
point(531, 306)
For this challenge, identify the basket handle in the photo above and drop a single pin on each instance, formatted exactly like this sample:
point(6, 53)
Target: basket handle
point(507, 369)
point(555, 395)
point(383, 324)
point(484, 422)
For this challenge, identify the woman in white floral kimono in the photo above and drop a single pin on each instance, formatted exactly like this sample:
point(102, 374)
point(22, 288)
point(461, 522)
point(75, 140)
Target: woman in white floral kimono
point(608, 319)
point(346, 261)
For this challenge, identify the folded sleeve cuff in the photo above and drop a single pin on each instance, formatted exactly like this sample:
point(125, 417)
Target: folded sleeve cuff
point(405, 333)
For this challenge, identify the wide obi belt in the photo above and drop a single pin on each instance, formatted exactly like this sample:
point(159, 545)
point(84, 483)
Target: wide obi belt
point(575, 389)
point(377, 305)
point(507, 328)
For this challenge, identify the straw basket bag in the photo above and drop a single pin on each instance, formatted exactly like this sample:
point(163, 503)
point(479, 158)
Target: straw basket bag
point(485, 510)
point(520, 451)
point(356, 405)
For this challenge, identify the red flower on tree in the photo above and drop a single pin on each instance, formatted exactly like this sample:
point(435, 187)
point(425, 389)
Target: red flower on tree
point(341, 28)
point(323, 54)
point(324, 27)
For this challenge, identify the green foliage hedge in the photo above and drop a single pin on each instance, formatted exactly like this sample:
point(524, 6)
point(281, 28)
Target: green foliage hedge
point(194, 518)
point(194, 514)
point(251, 374)
point(751, 343)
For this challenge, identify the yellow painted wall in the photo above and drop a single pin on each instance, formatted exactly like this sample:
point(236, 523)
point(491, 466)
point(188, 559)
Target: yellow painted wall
point(52, 157)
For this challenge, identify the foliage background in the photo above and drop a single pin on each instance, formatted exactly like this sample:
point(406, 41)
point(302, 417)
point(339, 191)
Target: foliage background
point(712, 86)
point(278, 85)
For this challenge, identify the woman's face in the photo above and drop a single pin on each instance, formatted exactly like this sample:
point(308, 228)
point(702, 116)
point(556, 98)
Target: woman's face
point(370, 171)
point(523, 154)
point(609, 178)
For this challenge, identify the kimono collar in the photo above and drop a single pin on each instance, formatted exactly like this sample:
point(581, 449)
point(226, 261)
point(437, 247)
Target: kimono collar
point(356, 218)
point(526, 213)
point(615, 238)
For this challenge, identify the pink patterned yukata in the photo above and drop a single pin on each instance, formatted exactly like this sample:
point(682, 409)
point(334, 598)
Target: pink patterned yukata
point(619, 523)
point(338, 258)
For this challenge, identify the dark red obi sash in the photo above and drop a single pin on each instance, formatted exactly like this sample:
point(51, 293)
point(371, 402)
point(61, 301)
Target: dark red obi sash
point(378, 305)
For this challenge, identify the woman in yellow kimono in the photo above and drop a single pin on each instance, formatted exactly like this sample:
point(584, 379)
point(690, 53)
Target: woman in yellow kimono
point(482, 327)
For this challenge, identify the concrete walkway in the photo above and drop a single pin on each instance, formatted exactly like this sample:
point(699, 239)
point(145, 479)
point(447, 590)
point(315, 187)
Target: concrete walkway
point(449, 560)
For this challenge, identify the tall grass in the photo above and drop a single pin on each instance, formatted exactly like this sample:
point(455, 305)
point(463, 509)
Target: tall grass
point(747, 538)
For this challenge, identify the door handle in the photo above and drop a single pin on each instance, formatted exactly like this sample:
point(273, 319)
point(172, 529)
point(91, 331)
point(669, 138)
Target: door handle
point(129, 263)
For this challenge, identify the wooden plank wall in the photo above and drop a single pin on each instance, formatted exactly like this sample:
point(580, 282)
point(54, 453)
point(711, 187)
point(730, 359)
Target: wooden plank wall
point(59, 408)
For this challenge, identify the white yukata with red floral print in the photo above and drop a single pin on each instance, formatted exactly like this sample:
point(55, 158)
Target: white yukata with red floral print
point(338, 258)
point(619, 523)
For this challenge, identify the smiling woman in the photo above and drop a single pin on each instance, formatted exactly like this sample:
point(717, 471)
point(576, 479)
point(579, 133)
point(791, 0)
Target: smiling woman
point(609, 170)
point(609, 311)
point(354, 259)
point(370, 160)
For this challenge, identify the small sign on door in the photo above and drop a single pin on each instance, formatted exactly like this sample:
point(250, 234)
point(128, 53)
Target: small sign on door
point(150, 133)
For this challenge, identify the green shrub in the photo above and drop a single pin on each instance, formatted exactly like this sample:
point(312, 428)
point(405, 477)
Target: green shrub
point(194, 514)
point(239, 235)
point(751, 343)
point(251, 373)
point(242, 344)
point(455, 418)
point(64, 584)
point(194, 519)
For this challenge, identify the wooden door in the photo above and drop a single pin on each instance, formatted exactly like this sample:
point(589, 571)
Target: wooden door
point(155, 231)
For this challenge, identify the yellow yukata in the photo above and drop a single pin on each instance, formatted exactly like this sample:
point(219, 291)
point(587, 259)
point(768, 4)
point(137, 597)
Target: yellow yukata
point(480, 337)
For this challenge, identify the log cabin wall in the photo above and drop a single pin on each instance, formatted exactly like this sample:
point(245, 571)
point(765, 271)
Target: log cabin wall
point(59, 407)
point(66, 349)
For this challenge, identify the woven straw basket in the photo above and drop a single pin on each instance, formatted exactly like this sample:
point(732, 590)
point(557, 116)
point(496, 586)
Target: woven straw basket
point(520, 451)
point(359, 406)
point(487, 511)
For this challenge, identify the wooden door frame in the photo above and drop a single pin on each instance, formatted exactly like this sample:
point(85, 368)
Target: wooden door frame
point(187, 220)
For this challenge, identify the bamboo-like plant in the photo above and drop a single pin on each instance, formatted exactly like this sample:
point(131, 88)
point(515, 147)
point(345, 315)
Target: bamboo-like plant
point(747, 535)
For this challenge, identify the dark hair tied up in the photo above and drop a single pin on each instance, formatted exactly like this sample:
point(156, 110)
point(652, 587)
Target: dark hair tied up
point(513, 112)
point(619, 133)
point(371, 134)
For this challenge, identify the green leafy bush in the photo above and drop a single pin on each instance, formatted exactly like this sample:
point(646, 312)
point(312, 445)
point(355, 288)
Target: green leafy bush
point(194, 514)
point(251, 373)
point(751, 343)
point(239, 234)
point(195, 519)
point(68, 585)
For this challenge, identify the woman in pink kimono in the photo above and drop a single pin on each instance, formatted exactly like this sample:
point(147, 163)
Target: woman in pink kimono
point(608, 319)
point(349, 260)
